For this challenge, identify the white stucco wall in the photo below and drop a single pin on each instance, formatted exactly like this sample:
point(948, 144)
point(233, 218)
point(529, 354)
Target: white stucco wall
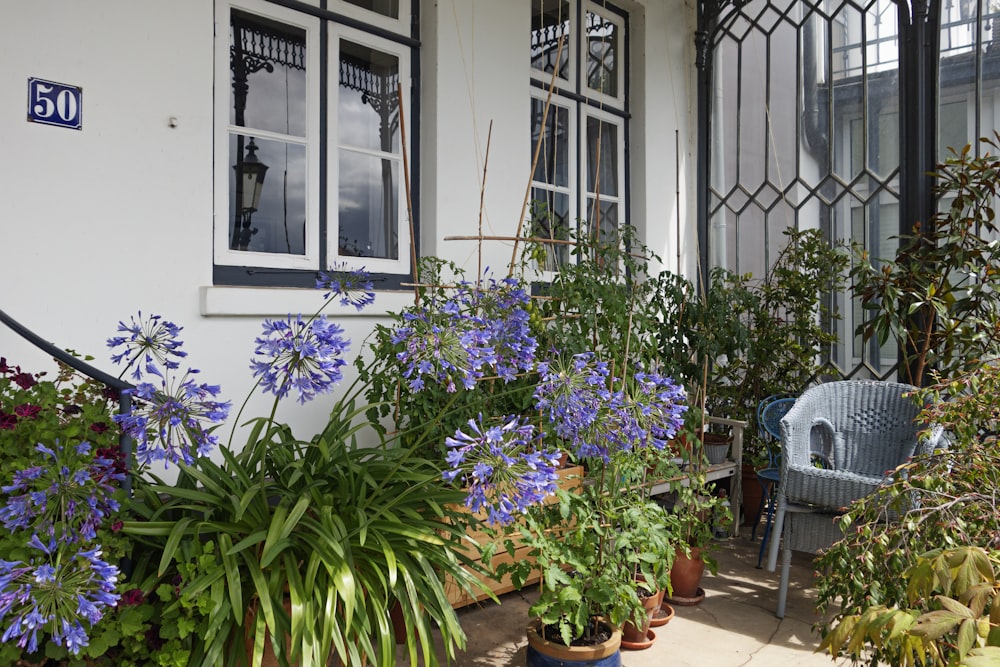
point(117, 217)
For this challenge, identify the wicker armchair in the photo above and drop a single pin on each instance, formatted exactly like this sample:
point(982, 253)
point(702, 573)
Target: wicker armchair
point(839, 442)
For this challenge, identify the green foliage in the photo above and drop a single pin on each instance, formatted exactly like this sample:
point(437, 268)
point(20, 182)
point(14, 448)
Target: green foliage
point(601, 300)
point(939, 501)
point(937, 298)
point(590, 546)
point(950, 615)
point(308, 544)
point(746, 338)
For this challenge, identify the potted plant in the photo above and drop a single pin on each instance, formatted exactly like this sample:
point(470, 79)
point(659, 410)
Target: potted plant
point(695, 513)
point(593, 541)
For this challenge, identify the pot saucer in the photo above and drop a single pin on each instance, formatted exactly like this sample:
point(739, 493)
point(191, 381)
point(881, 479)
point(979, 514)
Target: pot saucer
point(687, 602)
point(662, 615)
point(639, 645)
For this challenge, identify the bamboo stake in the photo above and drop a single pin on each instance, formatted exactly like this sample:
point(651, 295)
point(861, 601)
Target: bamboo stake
point(482, 194)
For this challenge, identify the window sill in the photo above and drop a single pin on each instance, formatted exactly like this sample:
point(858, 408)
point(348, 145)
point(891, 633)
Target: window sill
point(281, 301)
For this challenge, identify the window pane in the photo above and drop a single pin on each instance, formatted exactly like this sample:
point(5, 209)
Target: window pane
point(368, 106)
point(602, 54)
point(604, 219)
point(278, 223)
point(550, 22)
point(268, 75)
point(602, 156)
point(553, 157)
point(384, 7)
point(550, 220)
point(369, 206)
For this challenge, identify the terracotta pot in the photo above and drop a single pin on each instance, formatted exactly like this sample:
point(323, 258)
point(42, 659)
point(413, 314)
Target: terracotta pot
point(751, 494)
point(637, 636)
point(663, 615)
point(685, 575)
point(543, 653)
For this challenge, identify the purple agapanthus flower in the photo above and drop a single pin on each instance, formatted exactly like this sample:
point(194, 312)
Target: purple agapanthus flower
point(172, 420)
point(150, 343)
point(653, 409)
point(57, 591)
point(573, 397)
point(74, 489)
point(501, 467)
point(299, 355)
point(354, 288)
point(478, 331)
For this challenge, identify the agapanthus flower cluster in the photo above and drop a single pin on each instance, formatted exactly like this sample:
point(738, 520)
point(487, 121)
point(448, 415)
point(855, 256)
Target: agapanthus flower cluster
point(172, 414)
point(69, 496)
point(502, 302)
point(477, 331)
point(502, 467)
point(573, 397)
point(57, 590)
point(171, 421)
point(301, 355)
point(647, 411)
point(151, 342)
point(449, 347)
point(354, 288)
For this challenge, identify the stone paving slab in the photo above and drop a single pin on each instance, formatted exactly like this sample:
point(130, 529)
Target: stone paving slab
point(735, 624)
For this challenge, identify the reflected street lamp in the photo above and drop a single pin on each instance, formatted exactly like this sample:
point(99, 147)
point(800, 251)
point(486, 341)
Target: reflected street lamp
point(250, 173)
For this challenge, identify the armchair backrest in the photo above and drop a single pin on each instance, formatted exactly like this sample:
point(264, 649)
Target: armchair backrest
point(858, 426)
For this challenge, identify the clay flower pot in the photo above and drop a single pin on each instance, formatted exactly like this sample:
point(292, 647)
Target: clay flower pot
point(544, 653)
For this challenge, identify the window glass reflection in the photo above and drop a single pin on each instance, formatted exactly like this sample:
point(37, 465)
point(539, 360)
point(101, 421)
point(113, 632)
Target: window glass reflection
point(602, 52)
point(278, 224)
point(268, 75)
point(553, 157)
point(369, 206)
point(388, 8)
point(550, 21)
point(602, 156)
point(550, 220)
point(368, 100)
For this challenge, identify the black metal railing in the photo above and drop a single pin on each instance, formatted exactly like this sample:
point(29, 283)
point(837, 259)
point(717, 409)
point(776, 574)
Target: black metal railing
point(123, 388)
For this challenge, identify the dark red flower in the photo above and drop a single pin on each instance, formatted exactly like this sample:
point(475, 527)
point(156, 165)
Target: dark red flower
point(99, 427)
point(24, 380)
point(4, 368)
point(131, 598)
point(8, 421)
point(72, 409)
point(28, 411)
point(115, 456)
point(116, 526)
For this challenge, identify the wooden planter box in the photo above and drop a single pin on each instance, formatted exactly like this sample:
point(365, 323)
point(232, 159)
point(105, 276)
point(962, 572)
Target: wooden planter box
point(569, 478)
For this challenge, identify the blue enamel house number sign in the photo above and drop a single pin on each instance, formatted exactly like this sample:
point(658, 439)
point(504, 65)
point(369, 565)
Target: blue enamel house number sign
point(54, 103)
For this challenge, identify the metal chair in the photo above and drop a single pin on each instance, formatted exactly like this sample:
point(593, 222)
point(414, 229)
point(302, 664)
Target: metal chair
point(769, 414)
point(864, 431)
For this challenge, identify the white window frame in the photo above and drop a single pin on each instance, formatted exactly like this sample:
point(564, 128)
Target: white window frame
point(223, 82)
point(399, 25)
point(588, 103)
point(617, 101)
point(223, 256)
point(401, 265)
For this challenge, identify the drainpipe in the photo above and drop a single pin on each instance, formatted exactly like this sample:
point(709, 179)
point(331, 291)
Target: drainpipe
point(815, 133)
